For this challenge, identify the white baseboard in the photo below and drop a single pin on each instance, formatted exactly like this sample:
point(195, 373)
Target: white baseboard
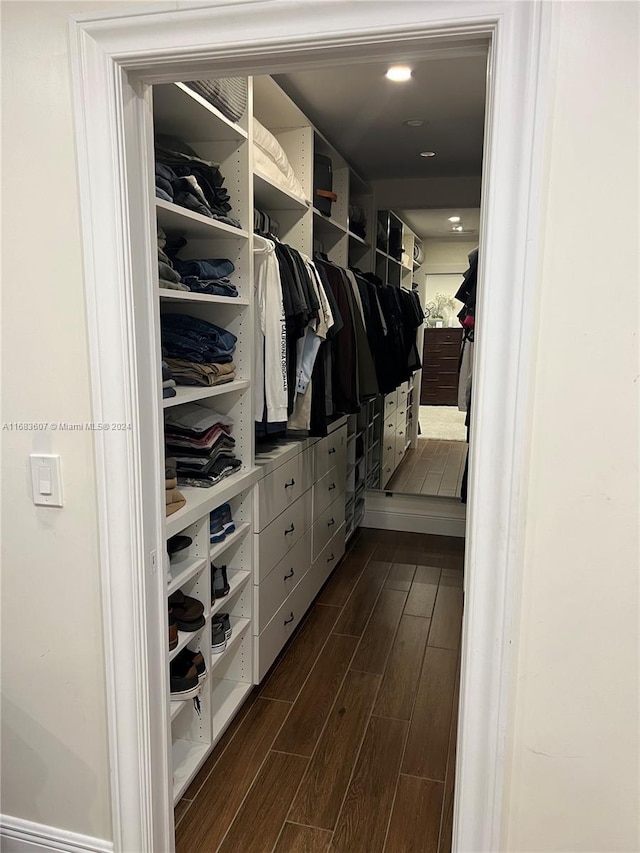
point(415, 514)
point(25, 836)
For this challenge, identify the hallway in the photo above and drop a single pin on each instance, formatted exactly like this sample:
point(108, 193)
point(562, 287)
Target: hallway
point(349, 744)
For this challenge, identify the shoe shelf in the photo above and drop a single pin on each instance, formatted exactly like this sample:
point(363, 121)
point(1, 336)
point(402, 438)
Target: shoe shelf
point(237, 581)
point(178, 705)
point(239, 626)
point(186, 637)
point(172, 217)
point(358, 239)
point(191, 393)
point(187, 296)
point(239, 533)
point(228, 696)
point(325, 224)
point(202, 501)
point(187, 759)
point(184, 570)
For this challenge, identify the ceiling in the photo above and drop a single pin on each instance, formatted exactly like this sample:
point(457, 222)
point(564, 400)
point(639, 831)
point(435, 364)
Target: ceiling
point(362, 113)
point(434, 224)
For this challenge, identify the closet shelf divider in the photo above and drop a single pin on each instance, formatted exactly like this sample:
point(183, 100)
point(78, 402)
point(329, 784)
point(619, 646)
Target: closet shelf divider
point(176, 105)
point(191, 393)
point(186, 296)
point(270, 196)
point(184, 571)
point(173, 217)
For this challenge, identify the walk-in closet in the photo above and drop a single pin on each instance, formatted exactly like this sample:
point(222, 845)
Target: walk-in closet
point(295, 318)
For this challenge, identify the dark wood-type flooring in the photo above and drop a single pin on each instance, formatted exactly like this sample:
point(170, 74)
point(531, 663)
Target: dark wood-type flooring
point(349, 743)
point(434, 467)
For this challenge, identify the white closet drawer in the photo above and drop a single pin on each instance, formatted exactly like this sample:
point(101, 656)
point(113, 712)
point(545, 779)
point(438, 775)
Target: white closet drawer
point(280, 583)
point(388, 445)
point(279, 537)
point(330, 452)
point(328, 558)
point(326, 526)
point(328, 489)
point(281, 488)
point(403, 391)
point(401, 440)
point(390, 403)
point(387, 471)
point(401, 417)
point(286, 619)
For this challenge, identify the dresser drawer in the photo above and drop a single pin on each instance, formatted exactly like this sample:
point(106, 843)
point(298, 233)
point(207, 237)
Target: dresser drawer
point(390, 403)
point(401, 440)
point(278, 585)
point(327, 489)
point(286, 619)
point(281, 488)
point(330, 452)
point(388, 443)
point(328, 558)
point(279, 537)
point(326, 526)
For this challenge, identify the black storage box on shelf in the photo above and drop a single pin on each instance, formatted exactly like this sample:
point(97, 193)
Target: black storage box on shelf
point(323, 195)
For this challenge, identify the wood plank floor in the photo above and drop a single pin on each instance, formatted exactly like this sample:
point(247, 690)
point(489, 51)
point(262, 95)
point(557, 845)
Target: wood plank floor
point(433, 467)
point(349, 743)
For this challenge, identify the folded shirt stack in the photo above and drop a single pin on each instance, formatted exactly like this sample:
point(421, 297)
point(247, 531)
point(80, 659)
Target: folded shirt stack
point(189, 373)
point(200, 440)
point(186, 180)
point(174, 499)
point(196, 340)
point(168, 382)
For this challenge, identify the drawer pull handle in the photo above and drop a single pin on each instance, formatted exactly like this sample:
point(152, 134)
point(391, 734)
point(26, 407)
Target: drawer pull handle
point(291, 483)
point(332, 487)
point(389, 447)
point(331, 523)
point(289, 575)
point(330, 559)
point(290, 619)
point(290, 529)
point(332, 450)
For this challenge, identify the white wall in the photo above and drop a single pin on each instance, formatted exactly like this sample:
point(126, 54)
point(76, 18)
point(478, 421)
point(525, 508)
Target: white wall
point(449, 286)
point(446, 256)
point(573, 781)
point(54, 733)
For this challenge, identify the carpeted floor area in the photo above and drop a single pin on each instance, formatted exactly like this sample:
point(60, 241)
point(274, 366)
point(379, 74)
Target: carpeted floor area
point(442, 422)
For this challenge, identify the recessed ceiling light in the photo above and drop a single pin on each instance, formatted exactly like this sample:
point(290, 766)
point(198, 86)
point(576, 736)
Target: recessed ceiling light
point(454, 219)
point(399, 73)
point(457, 228)
point(414, 122)
point(427, 153)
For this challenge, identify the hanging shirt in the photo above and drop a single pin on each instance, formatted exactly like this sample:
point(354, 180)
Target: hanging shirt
point(270, 387)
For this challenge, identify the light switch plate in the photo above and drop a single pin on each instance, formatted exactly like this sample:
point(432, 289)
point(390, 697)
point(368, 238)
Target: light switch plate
point(46, 479)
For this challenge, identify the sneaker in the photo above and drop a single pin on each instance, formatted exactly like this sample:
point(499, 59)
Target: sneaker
point(227, 521)
point(188, 612)
point(219, 582)
point(194, 659)
point(173, 630)
point(216, 529)
point(218, 640)
point(183, 679)
point(225, 622)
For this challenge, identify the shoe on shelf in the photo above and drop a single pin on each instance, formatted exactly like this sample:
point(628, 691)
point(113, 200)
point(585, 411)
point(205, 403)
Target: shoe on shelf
point(218, 640)
point(183, 679)
point(216, 529)
point(223, 619)
point(219, 582)
point(223, 513)
point(178, 543)
point(194, 659)
point(173, 630)
point(188, 612)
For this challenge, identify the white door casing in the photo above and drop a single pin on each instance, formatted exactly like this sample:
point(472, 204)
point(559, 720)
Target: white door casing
point(115, 56)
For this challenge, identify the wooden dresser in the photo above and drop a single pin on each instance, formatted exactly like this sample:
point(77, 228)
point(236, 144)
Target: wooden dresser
point(440, 359)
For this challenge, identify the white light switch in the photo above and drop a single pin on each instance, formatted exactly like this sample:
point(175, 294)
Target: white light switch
point(46, 479)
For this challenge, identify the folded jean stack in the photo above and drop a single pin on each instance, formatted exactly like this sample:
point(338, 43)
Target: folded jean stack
point(197, 352)
point(201, 443)
point(168, 382)
point(209, 276)
point(188, 181)
point(175, 500)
